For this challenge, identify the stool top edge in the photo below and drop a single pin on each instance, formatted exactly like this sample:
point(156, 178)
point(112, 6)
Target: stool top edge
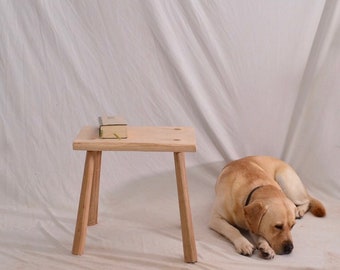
point(150, 138)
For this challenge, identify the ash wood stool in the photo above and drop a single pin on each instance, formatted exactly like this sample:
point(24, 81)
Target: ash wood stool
point(155, 139)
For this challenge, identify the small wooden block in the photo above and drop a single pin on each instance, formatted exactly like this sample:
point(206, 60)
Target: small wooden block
point(157, 139)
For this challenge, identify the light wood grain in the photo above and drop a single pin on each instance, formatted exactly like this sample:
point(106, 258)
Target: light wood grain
point(84, 205)
point(93, 212)
point(188, 239)
point(157, 139)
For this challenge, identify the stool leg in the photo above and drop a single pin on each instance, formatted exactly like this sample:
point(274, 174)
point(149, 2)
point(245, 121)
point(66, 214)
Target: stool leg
point(93, 214)
point(84, 205)
point(188, 238)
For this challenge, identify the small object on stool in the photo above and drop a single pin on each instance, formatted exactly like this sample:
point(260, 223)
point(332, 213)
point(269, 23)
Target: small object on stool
point(112, 127)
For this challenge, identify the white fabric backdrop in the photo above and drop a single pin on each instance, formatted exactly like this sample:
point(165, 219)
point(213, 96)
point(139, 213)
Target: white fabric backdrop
point(252, 78)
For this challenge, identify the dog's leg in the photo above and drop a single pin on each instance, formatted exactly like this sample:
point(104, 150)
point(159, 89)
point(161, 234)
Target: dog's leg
point(263, 246)
point(292, 186)
point(241, 244)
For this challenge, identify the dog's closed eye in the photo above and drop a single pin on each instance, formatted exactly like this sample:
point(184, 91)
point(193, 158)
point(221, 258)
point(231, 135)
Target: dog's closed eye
point(279, 226)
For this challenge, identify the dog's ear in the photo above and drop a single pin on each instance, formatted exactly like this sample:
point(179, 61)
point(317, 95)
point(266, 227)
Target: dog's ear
point(254, 213)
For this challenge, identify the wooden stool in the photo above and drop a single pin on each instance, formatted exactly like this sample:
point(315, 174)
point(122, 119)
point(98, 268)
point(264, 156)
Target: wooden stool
point(157, 139)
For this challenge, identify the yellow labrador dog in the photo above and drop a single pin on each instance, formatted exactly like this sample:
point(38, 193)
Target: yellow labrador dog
point(262, 195)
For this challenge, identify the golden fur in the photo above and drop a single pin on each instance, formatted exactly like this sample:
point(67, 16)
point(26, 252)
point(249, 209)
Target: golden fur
point(263, 195)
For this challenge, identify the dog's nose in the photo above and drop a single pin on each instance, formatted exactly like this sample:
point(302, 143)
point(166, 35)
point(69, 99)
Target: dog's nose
point(287, 247)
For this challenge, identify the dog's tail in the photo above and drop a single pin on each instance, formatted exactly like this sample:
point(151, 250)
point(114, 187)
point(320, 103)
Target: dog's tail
point(316, 207)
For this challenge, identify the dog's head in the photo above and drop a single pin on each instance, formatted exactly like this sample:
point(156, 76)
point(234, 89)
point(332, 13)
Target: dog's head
point(272, 219)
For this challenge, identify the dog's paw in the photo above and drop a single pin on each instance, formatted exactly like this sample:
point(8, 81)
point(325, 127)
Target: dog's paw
point(266, 251)
point(301, 210)
point(244, 247)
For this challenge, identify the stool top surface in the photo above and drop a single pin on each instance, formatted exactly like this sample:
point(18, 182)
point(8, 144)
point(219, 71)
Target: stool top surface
point(153, 138)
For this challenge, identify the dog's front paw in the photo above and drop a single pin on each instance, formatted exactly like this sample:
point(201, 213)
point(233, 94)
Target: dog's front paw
point(244, 247)
point(266, 251)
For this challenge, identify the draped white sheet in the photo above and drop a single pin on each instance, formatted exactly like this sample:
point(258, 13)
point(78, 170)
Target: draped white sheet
point(252, 78)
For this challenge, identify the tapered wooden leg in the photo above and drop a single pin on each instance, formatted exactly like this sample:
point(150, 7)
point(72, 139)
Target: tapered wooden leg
point(188, 238)
point(93, 214)
point(84, 204)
